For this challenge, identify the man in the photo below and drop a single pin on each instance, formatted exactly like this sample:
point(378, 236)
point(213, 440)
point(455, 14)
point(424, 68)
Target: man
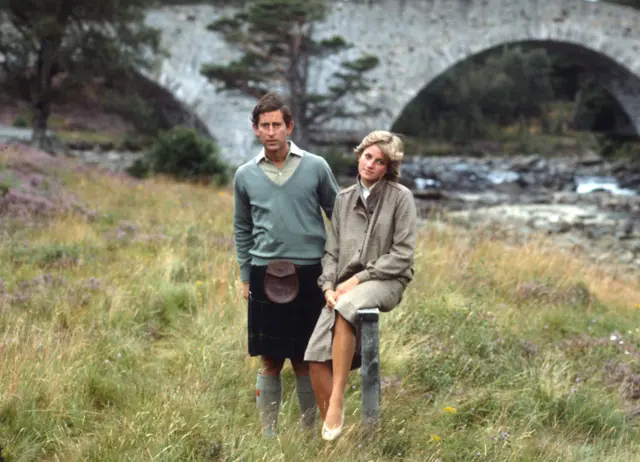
point(278, 198)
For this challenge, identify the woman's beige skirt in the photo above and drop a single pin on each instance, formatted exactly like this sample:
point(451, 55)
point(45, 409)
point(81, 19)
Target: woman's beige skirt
point(384, 295)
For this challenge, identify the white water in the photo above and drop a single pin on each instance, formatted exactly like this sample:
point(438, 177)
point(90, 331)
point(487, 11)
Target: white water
point(588, 184)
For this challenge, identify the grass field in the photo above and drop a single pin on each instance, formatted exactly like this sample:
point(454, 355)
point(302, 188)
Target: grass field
point(122, 337)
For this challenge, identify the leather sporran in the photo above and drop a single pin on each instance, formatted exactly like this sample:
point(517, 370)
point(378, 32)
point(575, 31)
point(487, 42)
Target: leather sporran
point(281, 283)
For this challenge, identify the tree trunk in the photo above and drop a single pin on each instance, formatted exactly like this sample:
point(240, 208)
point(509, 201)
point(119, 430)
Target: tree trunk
point(41, 96)
point(297, 80)
point(41, 111)
point(300, 135)
point(576, 108)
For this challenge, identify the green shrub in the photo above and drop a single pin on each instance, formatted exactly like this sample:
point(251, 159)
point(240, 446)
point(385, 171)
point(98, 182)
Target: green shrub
point(142, 115)
point(132, 142)
point(20, 122)
point(182, 153)
point(619, 147)
point(339, 160)
point(139, 168)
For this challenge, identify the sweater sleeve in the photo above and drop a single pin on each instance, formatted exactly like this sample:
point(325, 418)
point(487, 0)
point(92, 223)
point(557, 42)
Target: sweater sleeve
point(242, 227)
point(400, 256)
point(327, 279)
point(328, 189)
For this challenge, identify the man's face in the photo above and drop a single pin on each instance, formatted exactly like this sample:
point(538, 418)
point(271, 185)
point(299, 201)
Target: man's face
point(272, 131)
point(372, 165)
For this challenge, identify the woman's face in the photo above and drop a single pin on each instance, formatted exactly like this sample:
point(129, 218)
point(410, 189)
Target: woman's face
point(372, 165)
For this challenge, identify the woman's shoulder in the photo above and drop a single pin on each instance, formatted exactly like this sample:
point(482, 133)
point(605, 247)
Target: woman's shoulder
point(399, 190)
point(345, 193)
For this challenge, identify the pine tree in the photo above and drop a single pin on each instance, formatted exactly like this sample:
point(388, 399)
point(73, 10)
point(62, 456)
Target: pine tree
point(42, 38)
point(276, 37)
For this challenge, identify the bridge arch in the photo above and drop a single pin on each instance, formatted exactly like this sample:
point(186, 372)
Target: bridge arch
point(435, 35)
point(416, 41)
point(609, 71)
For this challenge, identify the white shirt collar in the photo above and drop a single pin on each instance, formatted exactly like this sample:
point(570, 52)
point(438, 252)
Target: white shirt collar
point(293, 149)
point(366, 192)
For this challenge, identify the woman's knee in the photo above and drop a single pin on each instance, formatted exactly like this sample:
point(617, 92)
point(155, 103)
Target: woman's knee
point(318, 367)
point(384, 295)
point(343, 324)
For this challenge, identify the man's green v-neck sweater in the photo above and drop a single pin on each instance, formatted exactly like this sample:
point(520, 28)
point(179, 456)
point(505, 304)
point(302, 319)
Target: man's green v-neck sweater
point(282, 221)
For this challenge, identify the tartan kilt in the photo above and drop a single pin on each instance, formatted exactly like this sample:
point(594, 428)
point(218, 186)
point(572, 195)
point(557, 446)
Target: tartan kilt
point(281, 331)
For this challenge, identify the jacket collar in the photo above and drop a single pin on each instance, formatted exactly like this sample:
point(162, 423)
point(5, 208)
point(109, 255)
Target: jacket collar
point(374, 196)
point(293, 149)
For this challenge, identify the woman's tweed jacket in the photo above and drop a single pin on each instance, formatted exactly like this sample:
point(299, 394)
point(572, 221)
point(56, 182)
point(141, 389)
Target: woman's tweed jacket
point(373, 239)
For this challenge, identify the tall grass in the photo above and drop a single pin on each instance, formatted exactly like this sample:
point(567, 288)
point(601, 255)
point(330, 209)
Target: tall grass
point(122, 337)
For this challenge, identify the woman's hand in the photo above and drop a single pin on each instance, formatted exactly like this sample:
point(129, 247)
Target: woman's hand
point(346, 286)
point(330, 297)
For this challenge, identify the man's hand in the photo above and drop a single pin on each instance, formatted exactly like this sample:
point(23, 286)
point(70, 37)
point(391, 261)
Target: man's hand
point(330, 297)
point(246, 290)
point(346, 286)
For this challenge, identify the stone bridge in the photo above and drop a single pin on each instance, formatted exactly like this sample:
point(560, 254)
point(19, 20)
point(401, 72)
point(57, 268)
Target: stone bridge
point(416, 41)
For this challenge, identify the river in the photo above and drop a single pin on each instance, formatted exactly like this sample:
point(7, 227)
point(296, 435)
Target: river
point(582, 202)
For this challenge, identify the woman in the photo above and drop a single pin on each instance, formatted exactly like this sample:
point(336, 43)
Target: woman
point(368, 262)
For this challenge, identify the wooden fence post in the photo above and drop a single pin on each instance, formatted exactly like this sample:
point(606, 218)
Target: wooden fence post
point(370, 369)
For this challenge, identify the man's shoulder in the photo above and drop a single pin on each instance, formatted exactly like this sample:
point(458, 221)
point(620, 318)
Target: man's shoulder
point(246, 167)
point(315, 161)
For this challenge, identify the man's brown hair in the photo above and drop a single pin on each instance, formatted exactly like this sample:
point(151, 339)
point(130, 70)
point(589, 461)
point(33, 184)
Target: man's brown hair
point(269, 103)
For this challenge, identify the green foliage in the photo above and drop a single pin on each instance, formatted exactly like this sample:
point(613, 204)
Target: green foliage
point(597, 110)
point(336, 42)
point(205, 2)
point(224, 24)
point(271, 17)
point(20, 122)
point(631, 3)
point(171, 302)
point(136, 110)
point(363, 64)
point(340, 161)
point(619, 147)
point(82, 38)
point(132, 142)
point(138, 169)
point(181, 152)
point(8, 181)
point(276, 37)
point(518, 94)
point(492, 90)
point(47, 256)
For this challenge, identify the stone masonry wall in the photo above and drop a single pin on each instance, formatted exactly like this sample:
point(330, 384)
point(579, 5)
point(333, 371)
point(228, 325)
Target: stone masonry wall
point(416, 40)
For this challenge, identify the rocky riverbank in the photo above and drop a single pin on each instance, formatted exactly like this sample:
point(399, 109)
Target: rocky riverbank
point(583, 203)
point(104, 155)
point(108, 159)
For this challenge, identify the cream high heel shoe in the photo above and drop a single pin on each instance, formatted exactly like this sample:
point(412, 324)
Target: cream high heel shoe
point(330, 434)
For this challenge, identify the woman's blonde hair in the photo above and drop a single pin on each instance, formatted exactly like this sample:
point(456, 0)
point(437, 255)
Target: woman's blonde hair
point(391, 146)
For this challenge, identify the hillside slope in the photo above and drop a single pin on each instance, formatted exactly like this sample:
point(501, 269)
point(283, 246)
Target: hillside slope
point(122, 337)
